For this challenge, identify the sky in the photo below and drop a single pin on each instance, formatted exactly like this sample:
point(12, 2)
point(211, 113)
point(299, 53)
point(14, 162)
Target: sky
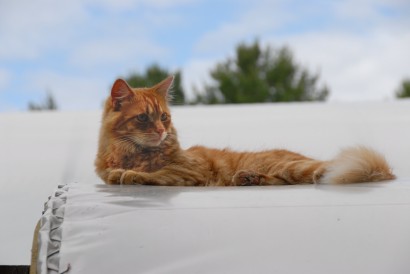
point(75, 49)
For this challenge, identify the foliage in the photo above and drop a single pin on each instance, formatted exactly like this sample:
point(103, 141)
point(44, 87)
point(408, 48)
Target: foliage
point(48, 104)
point(257, 75)
point(155, 74)
point(404, 90)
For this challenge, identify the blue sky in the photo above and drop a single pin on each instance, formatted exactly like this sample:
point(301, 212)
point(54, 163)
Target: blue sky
point(76, 49)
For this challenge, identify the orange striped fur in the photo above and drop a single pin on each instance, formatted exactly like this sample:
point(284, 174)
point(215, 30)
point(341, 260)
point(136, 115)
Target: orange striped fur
point(138, 145)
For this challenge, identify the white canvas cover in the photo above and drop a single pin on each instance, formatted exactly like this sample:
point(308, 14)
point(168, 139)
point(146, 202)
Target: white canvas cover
point(362, 228)
point(42, 150)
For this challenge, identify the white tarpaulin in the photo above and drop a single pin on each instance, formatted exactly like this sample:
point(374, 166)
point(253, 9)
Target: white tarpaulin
point(362, 228)
point(42, 150)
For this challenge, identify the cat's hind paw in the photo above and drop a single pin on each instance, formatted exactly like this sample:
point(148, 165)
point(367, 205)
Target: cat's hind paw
point(248, 178)
point(318, 175)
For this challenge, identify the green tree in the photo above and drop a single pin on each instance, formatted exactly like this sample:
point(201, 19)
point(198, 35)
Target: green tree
point(48, 104)
point(155, 74)
point(257, 75)
point(404, 90)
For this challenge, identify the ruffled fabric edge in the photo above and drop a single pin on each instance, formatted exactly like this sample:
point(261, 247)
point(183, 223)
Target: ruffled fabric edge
point(50, 233)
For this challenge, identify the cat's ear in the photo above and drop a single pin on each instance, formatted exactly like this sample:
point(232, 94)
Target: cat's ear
point(164, 87)
point(119, 92)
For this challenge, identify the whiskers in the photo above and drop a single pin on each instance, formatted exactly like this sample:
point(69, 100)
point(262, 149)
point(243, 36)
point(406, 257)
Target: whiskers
point(127, 142)
point(133, 141)
point(170, 136)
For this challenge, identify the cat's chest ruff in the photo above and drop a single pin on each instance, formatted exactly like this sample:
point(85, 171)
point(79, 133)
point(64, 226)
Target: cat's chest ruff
point(145, 160)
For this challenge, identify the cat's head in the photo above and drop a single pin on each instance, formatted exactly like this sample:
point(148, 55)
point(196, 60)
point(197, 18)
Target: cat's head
point(139, 116)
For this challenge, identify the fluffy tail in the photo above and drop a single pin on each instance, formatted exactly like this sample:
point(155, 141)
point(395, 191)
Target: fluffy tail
point(355, 165)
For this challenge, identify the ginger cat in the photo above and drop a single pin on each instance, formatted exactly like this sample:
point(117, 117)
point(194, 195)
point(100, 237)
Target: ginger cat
point(138, 145)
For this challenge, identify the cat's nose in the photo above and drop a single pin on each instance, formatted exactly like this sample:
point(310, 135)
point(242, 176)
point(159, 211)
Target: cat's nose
point(160, 131)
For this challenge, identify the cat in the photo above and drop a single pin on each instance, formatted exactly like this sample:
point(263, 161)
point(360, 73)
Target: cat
point(138, 144)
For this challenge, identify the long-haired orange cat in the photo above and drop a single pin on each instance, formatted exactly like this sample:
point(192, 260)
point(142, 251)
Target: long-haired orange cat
point(138, 145)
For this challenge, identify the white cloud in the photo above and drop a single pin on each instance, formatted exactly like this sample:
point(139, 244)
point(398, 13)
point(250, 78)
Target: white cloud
point(118, 5)
point(366, 9)
point(72, 92)
point(28, 28)
point(254, 23)
point(167, 3)
point(114, 5)
point(355, 67)
point(124, 51)
point(195, 74)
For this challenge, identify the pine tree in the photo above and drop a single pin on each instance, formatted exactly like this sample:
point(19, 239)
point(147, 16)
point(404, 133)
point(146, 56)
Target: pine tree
point(155, 74)
point(257, 75)
point(404, 90)
point(48, 104)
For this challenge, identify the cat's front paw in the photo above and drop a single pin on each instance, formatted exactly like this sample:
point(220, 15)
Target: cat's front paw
point(131, 177)
point(114, 176)
point(247, 178)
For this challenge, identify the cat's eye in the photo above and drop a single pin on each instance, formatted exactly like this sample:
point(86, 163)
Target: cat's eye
point(143, 117)
point(164, 117)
